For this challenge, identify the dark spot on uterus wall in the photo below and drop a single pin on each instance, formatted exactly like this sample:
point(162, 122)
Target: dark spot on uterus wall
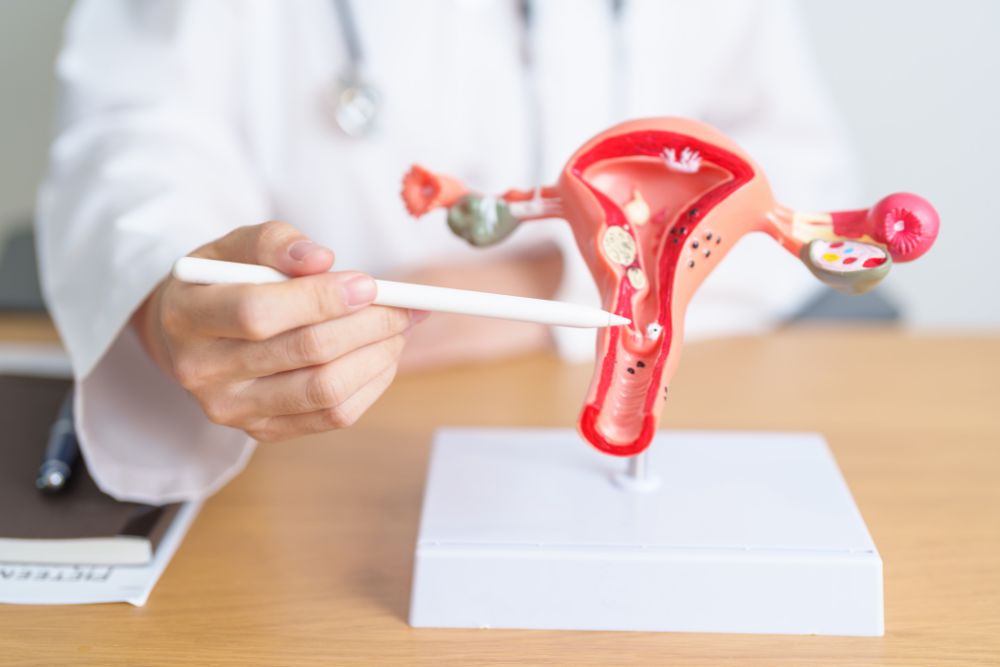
point(640, 364)
point(631, 371)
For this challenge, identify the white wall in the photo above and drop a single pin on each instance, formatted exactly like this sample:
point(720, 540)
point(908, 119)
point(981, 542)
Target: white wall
point(917, 81)
point(29, 36)
point(919, 84)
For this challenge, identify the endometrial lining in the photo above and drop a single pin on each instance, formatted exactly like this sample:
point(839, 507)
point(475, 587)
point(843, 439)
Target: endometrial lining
point(667, 194)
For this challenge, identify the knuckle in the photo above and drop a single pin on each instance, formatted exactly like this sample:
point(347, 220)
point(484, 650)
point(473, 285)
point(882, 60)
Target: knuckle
point(259, 434)
point(349, 418)
point(217, 412)
point(323, 391)
point(333, 418)
point(262, 433)
point(308, 346)
point(251, 320)
point(187, 371)
point(270, 234)
point(393, 320)
point(172, 317)
point(339, 417)
point(323, 299)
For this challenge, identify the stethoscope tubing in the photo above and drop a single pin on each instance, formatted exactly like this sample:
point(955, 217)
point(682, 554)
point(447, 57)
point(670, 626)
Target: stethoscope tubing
point(357, 101)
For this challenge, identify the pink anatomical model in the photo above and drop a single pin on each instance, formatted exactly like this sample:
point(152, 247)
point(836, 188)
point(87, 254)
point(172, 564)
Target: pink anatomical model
point(655, 205)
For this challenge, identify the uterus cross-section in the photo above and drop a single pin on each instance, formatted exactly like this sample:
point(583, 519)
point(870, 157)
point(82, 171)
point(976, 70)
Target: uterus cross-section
point(655, 205)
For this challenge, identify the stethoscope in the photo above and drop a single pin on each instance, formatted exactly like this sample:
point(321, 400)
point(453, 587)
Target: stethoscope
point(356, 101)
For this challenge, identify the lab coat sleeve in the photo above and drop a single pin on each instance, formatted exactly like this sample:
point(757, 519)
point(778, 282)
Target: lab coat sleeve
point(147, 165)
point(762, 87)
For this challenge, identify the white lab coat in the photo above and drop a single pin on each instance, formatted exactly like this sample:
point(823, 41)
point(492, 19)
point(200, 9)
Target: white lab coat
point(180, 120)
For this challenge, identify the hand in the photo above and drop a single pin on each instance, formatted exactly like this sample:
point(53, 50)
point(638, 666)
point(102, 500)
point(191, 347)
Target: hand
point(279, 360)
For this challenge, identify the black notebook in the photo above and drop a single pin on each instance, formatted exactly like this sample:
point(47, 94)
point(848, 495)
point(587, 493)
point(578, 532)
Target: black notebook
point(80, 525)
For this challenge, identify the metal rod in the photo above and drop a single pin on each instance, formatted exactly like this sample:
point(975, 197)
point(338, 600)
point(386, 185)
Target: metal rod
point(638, 466)
point(637, 477)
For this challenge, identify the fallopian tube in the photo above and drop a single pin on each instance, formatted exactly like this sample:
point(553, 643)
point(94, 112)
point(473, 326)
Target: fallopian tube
point(655, 205)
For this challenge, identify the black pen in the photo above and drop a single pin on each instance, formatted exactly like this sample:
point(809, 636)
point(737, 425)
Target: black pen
point(61, 452)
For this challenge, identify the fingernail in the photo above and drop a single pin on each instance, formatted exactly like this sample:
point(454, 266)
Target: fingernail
point(300, 249)
point(418, 316)
point(359, 291)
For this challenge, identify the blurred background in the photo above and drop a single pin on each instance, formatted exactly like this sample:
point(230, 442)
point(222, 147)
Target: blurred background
point(915, 81)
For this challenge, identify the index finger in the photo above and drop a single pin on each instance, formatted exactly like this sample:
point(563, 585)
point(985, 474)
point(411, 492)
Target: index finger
point(259, 312)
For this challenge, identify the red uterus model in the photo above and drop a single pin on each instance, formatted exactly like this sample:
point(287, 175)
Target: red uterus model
point(655, 205)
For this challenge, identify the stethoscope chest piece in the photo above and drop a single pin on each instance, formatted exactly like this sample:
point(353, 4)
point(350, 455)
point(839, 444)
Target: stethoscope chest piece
point(355, 105)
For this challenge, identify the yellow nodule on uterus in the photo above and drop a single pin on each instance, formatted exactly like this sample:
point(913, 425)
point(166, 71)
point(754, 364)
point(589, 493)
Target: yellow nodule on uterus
point(636, 210)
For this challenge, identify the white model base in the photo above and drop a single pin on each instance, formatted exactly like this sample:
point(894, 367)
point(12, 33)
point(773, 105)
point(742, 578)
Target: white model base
point(738, 532)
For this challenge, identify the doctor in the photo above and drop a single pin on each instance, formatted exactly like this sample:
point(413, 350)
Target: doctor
point(185, 127)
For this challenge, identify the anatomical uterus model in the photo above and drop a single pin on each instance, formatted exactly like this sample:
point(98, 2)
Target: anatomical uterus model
point(655, 205)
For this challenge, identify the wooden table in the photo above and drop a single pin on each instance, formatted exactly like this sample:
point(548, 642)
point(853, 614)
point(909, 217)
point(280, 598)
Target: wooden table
point(306, 557)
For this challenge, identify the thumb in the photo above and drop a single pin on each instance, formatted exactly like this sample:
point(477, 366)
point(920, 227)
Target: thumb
point(276, 244)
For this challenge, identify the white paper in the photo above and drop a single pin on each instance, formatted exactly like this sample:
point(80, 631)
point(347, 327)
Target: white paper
point(32, 583)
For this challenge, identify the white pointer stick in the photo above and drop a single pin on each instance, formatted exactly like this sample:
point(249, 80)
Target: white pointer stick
point(421, 297)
